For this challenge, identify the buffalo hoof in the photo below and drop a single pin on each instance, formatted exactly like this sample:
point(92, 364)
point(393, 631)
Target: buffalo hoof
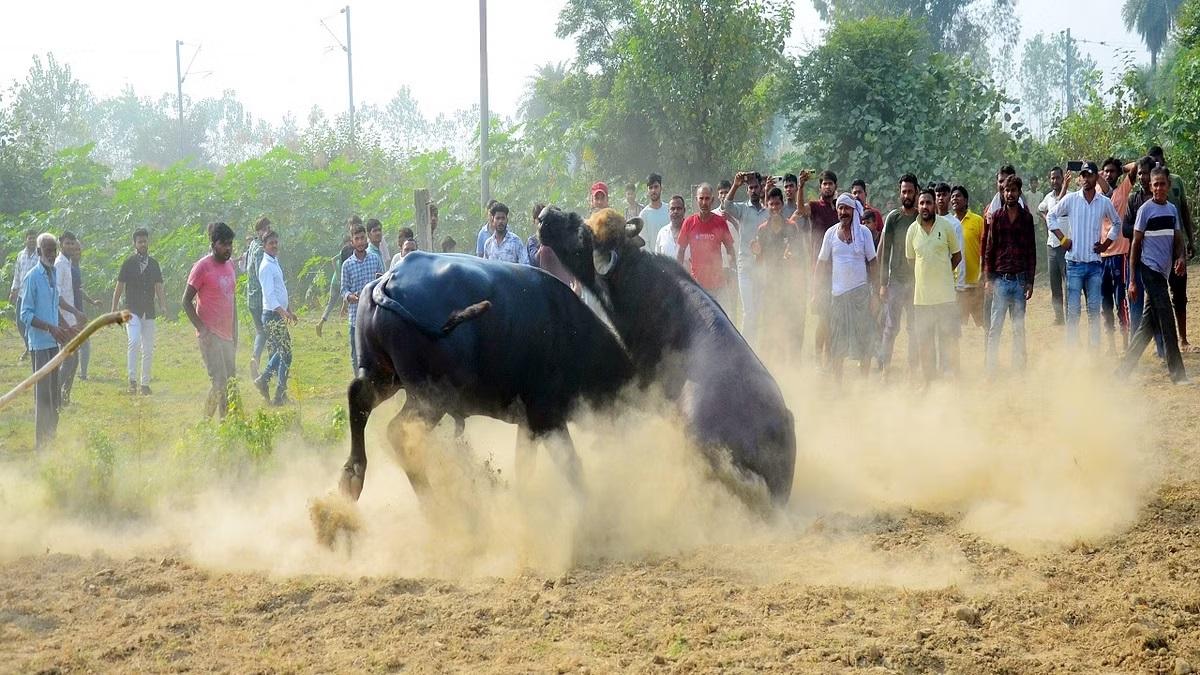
point(353, 476)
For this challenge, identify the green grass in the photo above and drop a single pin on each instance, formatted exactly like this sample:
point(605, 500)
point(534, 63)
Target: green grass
point(120, 453)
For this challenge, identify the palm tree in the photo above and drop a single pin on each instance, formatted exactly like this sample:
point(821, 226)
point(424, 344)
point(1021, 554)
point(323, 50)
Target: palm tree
point(1152, 20)
point(540, 87)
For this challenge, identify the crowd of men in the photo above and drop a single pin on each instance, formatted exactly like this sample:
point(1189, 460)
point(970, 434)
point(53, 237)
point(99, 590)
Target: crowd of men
point(1119, 237)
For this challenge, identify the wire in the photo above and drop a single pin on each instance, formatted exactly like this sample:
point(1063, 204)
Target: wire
point(187, 71)
point(332, 35)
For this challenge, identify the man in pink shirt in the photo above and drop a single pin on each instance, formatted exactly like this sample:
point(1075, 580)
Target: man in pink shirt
point(208, 302)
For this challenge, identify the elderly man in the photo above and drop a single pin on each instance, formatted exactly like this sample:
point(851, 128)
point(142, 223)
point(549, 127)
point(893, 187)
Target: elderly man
point(847, 258)
point(43, 313)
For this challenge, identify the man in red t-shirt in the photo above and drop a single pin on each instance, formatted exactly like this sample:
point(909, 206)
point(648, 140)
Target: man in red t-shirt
point(208, 302)
point(705, 233)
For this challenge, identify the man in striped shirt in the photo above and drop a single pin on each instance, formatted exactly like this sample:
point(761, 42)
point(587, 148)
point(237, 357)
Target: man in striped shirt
point(1086, 211)
point(1157, 250)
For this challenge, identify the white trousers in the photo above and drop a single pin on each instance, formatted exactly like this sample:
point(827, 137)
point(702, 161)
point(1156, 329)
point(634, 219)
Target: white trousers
point(141, 339)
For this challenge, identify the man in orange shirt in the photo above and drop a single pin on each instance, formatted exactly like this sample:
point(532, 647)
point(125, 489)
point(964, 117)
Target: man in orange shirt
point(704, 233)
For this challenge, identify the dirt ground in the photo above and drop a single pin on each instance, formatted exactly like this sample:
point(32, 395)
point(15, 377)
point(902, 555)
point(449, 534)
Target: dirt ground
point(1049, 526)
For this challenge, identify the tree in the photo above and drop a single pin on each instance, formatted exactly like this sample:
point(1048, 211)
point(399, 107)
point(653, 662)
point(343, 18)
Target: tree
point(1152, 20)
point(955, 26)
point(876, 101)
point(1182, 127)
point(537, 100)
point(54, 104)
point(1044, 84)
point(133, 131)
point(687, 89)
point(24, 159)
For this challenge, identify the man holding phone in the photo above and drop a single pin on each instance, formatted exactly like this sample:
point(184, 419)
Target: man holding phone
point(747, 215)
point(1085, 210)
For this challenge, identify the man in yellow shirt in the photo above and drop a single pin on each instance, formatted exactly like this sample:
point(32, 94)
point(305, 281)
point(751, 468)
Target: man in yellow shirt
point(970, 291)
point(932, 246)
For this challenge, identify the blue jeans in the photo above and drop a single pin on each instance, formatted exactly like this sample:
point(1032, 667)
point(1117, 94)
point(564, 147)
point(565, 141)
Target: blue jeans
point(353, 352)
point(1136, 307)
point(1008, 297)
point(1086, 278)
point(1115, 305)
point(279, 342)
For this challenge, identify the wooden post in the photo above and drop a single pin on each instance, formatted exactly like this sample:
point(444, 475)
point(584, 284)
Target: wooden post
point(421, 226)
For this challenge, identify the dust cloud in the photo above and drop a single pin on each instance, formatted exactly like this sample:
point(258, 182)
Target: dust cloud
point(1031, 468)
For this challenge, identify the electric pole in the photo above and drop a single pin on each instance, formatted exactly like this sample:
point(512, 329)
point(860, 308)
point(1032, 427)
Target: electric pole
point(484, 189)
point(179, 93)
point(349, 74)
point(1069, 85)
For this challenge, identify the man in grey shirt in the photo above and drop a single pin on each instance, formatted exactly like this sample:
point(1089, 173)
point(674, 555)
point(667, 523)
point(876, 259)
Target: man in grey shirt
point(1157, 250)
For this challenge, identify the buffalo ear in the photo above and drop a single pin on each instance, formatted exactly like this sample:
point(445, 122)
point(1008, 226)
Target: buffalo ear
point(633, 227)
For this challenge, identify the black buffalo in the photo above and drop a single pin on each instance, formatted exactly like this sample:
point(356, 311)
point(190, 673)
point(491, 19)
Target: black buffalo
point(677, 334)
point(464, 336)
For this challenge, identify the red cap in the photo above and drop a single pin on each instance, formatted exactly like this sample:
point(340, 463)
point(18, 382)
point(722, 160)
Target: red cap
point(599, 186)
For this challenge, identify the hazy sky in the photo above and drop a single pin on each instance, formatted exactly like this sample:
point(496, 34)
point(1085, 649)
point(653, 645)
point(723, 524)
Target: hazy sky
point(276, 55)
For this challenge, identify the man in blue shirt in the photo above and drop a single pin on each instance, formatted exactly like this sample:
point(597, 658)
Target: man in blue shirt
point(45, 330)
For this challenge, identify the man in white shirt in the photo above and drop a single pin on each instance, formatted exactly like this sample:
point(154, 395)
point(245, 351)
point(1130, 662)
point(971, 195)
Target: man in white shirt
point(654, 215)
point(1085, 210)
point(667, 242)
point(26, 259)
point(65, 280)
point(276, 317)
point(941, 193)
point(748, 215)
point(998, 200)
point(1056, 261)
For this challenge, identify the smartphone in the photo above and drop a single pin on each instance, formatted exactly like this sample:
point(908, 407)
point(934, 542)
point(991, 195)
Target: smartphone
point(1074, 165)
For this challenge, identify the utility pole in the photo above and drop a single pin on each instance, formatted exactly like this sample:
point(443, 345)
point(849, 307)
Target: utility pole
point(179, 93)
point(484, 190)
point(349, 74)
point(1069, 85)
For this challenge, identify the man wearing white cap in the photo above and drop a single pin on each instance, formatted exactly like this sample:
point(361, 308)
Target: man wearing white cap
point(1085, 210)
point(847, 257)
